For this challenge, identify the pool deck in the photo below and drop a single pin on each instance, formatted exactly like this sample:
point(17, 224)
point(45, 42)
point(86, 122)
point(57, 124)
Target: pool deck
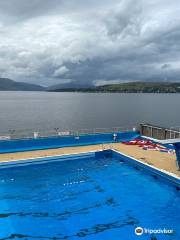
point(158, 159)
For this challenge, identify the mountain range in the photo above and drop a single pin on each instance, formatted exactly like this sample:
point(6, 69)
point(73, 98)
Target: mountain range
point(130, 87)
point(68, 86)
point(10, 85)
point(7, 84)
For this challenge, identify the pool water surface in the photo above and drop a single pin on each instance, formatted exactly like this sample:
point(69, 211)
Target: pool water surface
point(86, 198)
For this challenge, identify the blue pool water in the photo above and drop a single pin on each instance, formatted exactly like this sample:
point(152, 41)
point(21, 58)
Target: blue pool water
point(90, 198)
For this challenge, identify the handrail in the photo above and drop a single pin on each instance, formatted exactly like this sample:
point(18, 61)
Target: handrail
point(26, 134)
point(162, 132)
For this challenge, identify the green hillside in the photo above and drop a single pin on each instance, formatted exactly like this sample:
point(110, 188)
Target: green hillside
point(132, 87)
point(144, 87)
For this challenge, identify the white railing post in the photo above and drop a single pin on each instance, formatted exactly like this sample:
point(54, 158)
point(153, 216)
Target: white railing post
point(36, 135)
point(170, 132)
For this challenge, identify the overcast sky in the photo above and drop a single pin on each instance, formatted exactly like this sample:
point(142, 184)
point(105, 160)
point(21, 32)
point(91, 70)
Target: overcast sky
point(90, 41)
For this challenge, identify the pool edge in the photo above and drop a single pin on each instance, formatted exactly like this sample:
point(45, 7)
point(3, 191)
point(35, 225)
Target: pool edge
point(168, 176)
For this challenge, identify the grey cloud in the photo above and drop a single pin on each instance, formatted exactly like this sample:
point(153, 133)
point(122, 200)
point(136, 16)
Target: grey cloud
point(124, 20)
point(22, 9)
point(166, 66)
point(60, 71)
point(89, 41)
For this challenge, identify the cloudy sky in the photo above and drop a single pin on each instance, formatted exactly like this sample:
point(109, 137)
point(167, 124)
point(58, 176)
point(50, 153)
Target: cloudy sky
point(92, 42)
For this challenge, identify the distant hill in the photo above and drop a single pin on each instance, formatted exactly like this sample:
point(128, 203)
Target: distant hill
point(131, 87)
point(70, 85)
point(142, 87)
point(10, 85)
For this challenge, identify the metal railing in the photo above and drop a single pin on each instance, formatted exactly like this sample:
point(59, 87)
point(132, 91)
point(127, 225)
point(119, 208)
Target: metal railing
point(29, 133)
point(159, 132)
point(174, 132)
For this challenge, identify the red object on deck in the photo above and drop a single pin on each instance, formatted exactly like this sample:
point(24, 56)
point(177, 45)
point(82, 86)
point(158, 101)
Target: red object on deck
point(138, 142)
point(147, 145)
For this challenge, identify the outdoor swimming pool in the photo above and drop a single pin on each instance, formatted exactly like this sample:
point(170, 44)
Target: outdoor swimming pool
point(88, 196)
